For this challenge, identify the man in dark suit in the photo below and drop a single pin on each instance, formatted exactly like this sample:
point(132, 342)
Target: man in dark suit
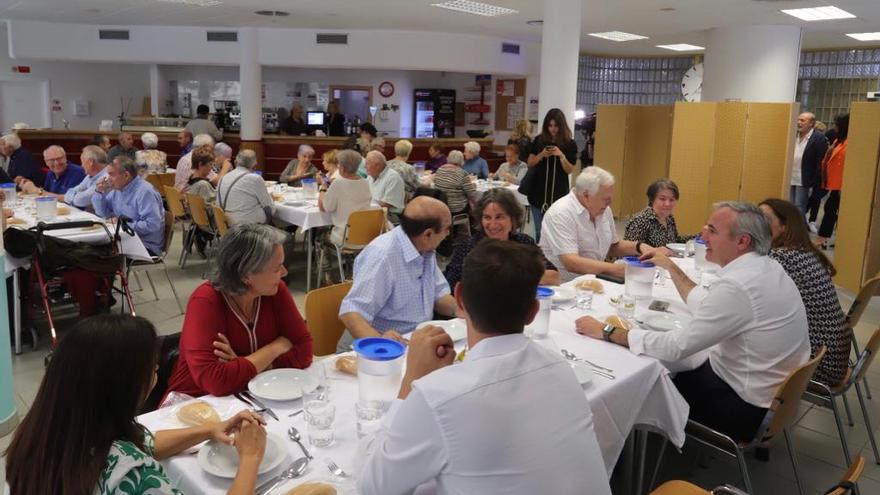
point(809, 150)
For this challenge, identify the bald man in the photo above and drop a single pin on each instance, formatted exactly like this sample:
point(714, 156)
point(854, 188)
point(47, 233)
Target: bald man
point(397, 283)
point(809, 150)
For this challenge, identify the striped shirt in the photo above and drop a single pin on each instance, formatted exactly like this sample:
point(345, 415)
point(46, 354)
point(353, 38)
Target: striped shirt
point(455, 183)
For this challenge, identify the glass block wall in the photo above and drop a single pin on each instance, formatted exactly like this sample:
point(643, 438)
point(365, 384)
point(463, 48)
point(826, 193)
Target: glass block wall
point(830, 81)
point(647, 81)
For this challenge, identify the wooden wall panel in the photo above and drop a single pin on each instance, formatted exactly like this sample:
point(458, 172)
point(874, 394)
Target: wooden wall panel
point(768, 150)
point(730, 142)
point(690, 159)
point(611, 121)
point(647, 154)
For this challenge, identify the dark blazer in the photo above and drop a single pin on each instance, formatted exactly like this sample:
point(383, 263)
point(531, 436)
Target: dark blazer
point(811, 163)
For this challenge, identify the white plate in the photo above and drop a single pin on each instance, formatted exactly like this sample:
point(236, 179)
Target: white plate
point(563, 294)
point(665, 322)
point(296, 204)
point(456, 328)
point(282, 384)
point(222, 460)
point(678, 248)
point(270, 183)
point(583, 372)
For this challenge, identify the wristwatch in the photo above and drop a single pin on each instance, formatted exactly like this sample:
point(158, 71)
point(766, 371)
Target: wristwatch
point(607, 330)
point(323, 189)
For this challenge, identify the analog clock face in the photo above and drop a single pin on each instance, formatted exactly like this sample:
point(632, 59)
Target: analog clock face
point(386, 89)
point(692, 83)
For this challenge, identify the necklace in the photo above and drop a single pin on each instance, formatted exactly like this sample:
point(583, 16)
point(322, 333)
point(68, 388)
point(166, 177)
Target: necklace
point(248, 318)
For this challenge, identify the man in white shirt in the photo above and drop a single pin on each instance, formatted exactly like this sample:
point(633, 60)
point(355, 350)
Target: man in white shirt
point(386, 185)
point(510, 418)
point(578, 231)
point(751, 320)
point(809, 151)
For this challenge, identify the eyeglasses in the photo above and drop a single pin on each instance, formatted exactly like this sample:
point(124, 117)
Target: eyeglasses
point(56, 159)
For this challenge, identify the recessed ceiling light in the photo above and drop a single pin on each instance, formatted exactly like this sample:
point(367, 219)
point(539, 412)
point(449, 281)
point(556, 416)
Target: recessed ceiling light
point(618, 36)
point(272, 13)
point(681, 47)
point(865, 36)
point(476, 8)
point(196, 3)
point(819, 13)
point(535, 22)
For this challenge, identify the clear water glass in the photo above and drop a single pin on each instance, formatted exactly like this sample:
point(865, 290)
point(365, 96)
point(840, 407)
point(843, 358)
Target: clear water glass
point(585, 298)
point(369, 418)
point(320, 416)
point(627, 307)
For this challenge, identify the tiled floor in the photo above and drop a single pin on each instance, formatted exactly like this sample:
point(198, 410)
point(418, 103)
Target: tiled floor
point(815, 435)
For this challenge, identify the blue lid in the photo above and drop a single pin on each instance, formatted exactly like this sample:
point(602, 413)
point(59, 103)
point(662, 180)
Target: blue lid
point(308, 180)
point(634, 261)
point(545, 292)
point(45, 198)
point(8, 184)
point(378, 348)
point(257, 172)
point(699, 240)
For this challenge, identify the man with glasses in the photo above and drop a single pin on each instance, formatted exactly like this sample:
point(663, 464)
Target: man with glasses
point(62, 175)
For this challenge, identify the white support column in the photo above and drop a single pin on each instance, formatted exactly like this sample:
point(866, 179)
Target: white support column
point(155, 97)
point(8, 412)
point(251, 80)
point(560, 48)
point(752, 63)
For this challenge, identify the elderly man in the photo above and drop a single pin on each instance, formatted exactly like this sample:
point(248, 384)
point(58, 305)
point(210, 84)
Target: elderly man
point(62, 175)
point(123, 193)
point(103, 142)
point(300, 167)
point(184, 165)
point(125, 147)
point(375, 144)
point(386, 185)
point(578, 231)
point(472, 427)
point(294, 124)
point(809, 151)
point(242, 194)
point(185, 141)
point(202, 124)
point(397, 283)
point(94, 162)
point(21, 164)
point(751, 320)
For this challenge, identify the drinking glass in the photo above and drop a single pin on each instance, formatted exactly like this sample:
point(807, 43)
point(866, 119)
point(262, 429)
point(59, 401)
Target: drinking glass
point(627, 307)
point(320, 416)
point(585, 298)
point(369, 418)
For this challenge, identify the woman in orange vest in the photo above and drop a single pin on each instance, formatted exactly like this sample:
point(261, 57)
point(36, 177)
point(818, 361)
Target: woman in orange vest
point(832, 179)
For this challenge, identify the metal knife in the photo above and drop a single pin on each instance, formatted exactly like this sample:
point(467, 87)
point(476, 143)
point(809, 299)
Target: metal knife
point(260, 404)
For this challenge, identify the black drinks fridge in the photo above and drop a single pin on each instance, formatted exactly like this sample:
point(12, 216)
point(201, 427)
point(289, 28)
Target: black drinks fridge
point(434, 113)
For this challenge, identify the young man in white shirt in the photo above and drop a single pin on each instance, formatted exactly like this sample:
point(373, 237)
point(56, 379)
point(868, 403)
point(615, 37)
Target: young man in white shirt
point(751, 320)
point(510, 418)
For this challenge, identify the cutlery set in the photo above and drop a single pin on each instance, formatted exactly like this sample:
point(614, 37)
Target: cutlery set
point(598, 370)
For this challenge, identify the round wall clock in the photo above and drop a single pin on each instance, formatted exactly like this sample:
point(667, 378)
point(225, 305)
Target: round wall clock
point(386, 89)
point(692, 84)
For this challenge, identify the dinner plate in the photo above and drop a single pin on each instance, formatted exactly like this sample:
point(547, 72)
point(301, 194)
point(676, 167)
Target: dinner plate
point(282, 384)
point(563, 294)
point(667, 321)
point(296, 204)
point(583, 372)
point(456, 328)
point(221, 459)
point(678, 248)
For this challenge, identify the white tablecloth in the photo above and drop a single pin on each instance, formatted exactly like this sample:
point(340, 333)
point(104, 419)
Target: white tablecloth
point(641, 394)
point(303, 213)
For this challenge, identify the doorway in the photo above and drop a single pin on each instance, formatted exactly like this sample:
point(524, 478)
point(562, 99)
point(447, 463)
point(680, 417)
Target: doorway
point(24, 101)
point(354, 101)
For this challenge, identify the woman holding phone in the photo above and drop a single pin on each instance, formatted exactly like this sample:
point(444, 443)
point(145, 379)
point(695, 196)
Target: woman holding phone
point(552, 158)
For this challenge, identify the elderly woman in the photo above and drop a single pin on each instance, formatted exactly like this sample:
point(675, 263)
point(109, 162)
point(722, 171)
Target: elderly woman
point(456, 184)
point(151, 160)
point(243, 194)
point(202, 165)
point(513, 170)
point(300, 167)
point(243, 321)
point(655, 225)
point(473, 164)
point(348, 193)
point(402, 149)
point(811, 272)
point(500, 216)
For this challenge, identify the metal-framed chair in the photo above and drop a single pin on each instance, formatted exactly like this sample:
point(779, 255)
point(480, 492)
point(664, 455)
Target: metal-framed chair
point(198, 212)
point(154, 181)
point(135, 266)
point(361, 228)
point(856, 310)
point(220, 221)
point(322, 317)
point(178, 211)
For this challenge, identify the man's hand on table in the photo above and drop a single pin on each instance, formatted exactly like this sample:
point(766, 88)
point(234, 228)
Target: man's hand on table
point(658, 256)
point(394, 335)
point(29, 187)
point(589, 326)
point(430, 349)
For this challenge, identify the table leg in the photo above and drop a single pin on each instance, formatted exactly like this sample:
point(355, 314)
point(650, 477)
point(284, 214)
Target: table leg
point(629, 462)
point(641, 450)
point(309, 260)
point(16, 310)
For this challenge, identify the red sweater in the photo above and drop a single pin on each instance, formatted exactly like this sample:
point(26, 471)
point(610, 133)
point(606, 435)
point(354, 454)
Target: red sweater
point(199, 372)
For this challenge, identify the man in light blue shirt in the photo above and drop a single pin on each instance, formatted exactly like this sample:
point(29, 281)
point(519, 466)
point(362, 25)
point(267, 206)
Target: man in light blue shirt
point(397, 283)
point(94, 162)
point(124, 193)
point(386, 185)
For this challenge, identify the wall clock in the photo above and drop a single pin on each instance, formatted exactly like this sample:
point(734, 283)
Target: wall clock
point(386, 89)
point(692, 83)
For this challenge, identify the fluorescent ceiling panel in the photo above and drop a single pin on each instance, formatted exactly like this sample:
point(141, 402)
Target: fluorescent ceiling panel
point(681, 47)
point(826, 13)
point(476, 8)
point(618, 36)
point(865, 36)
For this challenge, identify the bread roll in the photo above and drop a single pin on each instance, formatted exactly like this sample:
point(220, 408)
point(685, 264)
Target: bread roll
point(198, 413)
point(313, 488)
point(618, 322)
point(592, 284)
point(348, 365)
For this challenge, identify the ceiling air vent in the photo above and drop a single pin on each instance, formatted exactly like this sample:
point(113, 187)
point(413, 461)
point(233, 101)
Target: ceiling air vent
point(223, 36)
point(331, 39)
point(511, 48)
point(113, 34)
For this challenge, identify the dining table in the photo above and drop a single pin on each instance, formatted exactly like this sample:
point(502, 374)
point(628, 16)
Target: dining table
point(640, 397)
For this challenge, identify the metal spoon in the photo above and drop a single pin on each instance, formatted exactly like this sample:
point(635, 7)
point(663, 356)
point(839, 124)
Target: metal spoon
point(573, 357)
point(294, 435)
point(296, 469)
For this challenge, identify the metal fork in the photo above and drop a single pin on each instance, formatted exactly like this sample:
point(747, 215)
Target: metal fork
point(336, 470)
point(250, 404)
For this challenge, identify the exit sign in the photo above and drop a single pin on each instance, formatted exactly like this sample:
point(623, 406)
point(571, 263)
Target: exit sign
point(21, 69)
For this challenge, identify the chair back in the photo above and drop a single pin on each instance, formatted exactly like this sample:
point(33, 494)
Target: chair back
point(169, 232)
point(166, 179)
point(175, 202)
point(850, 478)
point(866, 357)
point(169, 351)
point(784, 407)
point(857, 309)
point(198, 211)
point(364, 226)
point(220, 220)
point(322, 317)
point(153, 179)
point(679, 487)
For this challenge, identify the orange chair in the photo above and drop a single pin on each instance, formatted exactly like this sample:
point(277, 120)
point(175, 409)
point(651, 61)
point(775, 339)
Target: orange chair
point(220, 221)
point(322, 317)
point(198, 211)
point(362, 227)
point(175, 205)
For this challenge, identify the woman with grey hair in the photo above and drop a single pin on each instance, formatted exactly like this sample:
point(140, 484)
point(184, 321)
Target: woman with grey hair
point(151, 160)
point(473, 163)
point(347, 194)
point(300, 167)
point(243, 194)
point(454, 181)
point(243, 321)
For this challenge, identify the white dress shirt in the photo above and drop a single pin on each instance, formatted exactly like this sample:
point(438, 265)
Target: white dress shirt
point(388, 188)
point(510, 419)
point(753, 322)
point(799, 146)
point(568, 229)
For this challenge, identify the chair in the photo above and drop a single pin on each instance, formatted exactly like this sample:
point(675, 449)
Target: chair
point(166, 179)
point(322, 317)
point(220, 221)
point(462, 219)
point(361, 228)
point(175, 206)
point(826, 396)
point(156, 261)
point(153, 179)
point(856, 310)
point(198, 211)
point(780, 416)
point(848, 483)
point(169, 351)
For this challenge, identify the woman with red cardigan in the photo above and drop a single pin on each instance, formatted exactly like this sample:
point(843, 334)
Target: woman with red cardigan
point(243, 321)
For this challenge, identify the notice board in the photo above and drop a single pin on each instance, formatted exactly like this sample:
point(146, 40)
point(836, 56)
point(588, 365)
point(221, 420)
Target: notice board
point(510, 103)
